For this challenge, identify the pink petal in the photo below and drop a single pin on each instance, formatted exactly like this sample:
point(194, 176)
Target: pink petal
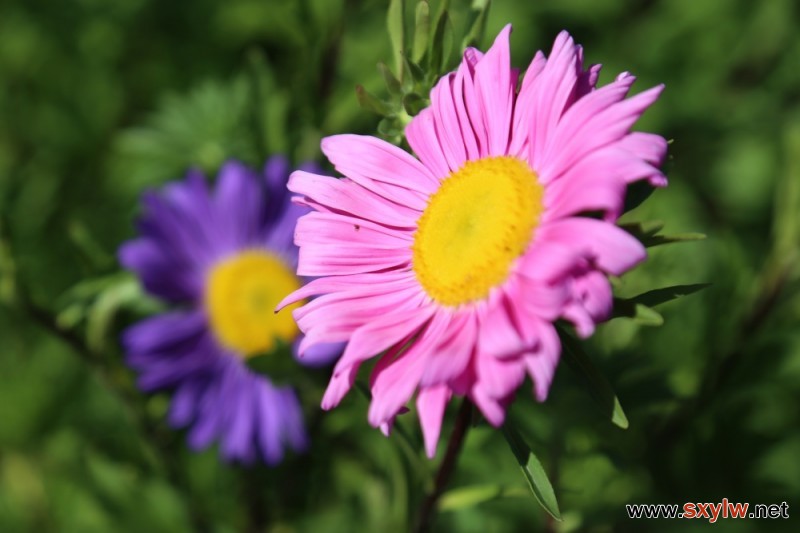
point(424, 140)
point(382, 168)
point(450, 358)
point(497, 336)
point(343, 195)
point(649, 147)
point(614, 250)
point(462, 84)
point(431, 403)
point(335, 260)
point(494, 86)
point(596, 182)
point(522, 111)
point(541, 363)
point(549, 98)
point(394, 385)
point(381, 333)
point(471, 106)
point(492, 409)
point(338, 387)
point(335, 229)
point(498, 377)
point(447, 124)
point(596, 120)
point(546, 261)
point(544, 300)
point(342, 283)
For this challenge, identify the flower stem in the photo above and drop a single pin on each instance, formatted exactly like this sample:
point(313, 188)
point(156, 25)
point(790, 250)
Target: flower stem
point(454, 445)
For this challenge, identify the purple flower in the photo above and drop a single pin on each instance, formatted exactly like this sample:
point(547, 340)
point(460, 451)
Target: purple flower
point(225, 258)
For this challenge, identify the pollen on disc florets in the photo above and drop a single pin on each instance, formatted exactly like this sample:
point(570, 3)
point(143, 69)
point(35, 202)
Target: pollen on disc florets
point(476, 224)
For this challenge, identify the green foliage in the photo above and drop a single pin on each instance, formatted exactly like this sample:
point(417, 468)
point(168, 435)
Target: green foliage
point(99, 100)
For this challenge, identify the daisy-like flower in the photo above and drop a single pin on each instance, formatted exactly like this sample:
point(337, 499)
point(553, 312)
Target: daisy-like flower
point(226, 258)
point(454, 265)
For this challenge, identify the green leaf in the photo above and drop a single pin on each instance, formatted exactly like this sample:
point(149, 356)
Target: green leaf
point(422, 31)
point(101, 315)
point(414, 103)
point(598, 385)
point(370, 102)
point(393, 85)
point(646, 233)
point(477, 27)
point(466, 497)
point(397, 33)
point(442, 42)
point(665, 294)
point(532, 469)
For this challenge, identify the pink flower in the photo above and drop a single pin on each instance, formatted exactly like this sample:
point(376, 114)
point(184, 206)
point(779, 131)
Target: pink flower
point(453, 266)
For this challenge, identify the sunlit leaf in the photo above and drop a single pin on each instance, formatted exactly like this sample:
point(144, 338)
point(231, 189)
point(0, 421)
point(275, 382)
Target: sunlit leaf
point(466, 497)
point(534, 473)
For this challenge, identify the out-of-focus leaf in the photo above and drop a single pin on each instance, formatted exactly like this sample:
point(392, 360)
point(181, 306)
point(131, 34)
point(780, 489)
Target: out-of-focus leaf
point(466, 497)
point(598, 385)
point(537, 478)
point(665, 294)
point(417, 74)
point(477, 27)
point(441, 45)
point(422, 31)
point(414, 103)
point(397, 33)
point(101, 314)
point(370, 102)
point(393, 85)
point(647, 234)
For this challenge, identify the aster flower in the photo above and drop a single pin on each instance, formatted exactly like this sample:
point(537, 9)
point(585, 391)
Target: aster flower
point(453, 266)
point(226, 257)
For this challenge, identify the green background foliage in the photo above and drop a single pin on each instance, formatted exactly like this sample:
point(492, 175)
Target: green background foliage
point(100, 100)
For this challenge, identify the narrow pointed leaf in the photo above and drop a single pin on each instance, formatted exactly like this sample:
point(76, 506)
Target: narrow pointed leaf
point(397, 33)
point(441, 45)
point(370, 102)
point(393, 85)
point(532, 469)
point(422, 31)
point(665, 294)
point(647, 233)
point(598, 385)
point(640, 313)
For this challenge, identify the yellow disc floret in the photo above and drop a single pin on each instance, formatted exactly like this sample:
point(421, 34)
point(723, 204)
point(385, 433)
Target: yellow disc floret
point(241, 294)
point(480, 220)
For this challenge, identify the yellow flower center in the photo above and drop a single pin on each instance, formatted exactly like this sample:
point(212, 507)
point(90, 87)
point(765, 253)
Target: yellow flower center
point(241, 295)
point(476, 224)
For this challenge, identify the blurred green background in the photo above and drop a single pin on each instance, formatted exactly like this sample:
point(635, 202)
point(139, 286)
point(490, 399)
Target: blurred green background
point(99, 100)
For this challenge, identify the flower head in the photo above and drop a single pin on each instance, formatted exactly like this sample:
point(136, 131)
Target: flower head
point(226, 257)
point(455, 264)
